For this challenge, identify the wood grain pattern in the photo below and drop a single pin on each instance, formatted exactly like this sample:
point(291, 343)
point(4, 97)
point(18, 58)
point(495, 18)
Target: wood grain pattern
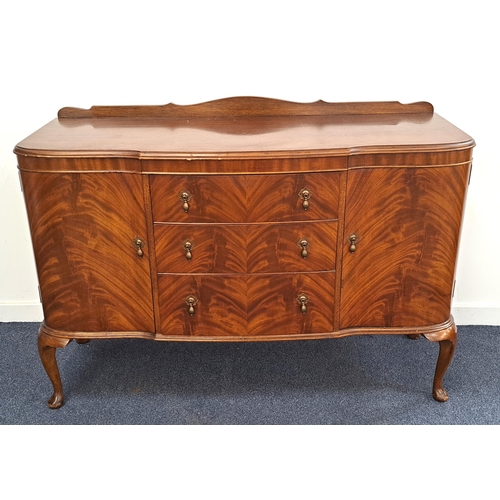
point(340, 244)
point(213, 199)
point(273, 248)
point(246, 305)
point(82, 228)
point(76, 165)
point(146, 191)
point(246, 248)
point(216, 248)
point(249, 166)
point(408, 222)
point(276, 197)
point(411, 159)
point(273, 308)
point(253, 198)
point(221, 308)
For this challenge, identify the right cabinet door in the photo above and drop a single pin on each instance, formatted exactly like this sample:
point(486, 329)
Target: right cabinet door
point(406, 223)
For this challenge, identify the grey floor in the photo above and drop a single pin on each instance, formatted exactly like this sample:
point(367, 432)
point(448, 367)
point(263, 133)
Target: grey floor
point(355, 380)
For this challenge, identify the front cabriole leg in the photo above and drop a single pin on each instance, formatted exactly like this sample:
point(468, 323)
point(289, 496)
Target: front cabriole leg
point(47, 345)
point(447, 339)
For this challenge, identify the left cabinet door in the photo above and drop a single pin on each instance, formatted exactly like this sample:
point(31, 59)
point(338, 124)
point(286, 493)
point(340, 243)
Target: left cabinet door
point(83, 226)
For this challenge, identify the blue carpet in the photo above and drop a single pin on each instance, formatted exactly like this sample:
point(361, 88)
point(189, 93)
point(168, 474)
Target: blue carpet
point(354, 380)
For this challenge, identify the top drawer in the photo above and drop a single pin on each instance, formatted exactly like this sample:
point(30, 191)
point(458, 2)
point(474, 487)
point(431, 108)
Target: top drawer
point(245, 198)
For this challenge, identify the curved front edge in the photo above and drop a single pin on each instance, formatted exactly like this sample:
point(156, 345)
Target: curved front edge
point(447, 339)
point(47, 345)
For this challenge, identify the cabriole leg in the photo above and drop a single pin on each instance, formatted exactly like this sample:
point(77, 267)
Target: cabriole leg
point(47, 346)
point(447, 342)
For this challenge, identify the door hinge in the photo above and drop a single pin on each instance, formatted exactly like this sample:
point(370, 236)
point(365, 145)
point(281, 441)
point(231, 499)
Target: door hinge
point(470, 174)
point(453, 291)
point(20, 179)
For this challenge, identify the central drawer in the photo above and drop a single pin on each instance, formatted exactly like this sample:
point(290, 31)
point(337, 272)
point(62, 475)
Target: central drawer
point(245, 248)
point(244, 198)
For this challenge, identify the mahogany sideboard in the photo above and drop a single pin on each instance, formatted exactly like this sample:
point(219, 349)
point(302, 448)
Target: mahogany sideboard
point(245, 219)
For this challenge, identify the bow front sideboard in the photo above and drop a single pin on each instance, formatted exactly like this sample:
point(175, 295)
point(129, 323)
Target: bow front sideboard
point(245, 219)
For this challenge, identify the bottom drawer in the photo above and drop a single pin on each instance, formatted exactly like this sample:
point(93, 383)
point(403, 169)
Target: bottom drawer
point(246, 305)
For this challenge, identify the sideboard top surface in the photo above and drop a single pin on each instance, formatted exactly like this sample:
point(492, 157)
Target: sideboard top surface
point(238, 128)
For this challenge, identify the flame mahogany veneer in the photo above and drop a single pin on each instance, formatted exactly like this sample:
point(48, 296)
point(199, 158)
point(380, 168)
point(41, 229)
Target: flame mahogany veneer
point(245, 219)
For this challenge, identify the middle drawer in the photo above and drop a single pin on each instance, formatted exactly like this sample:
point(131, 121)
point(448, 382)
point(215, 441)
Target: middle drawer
point(245, 248)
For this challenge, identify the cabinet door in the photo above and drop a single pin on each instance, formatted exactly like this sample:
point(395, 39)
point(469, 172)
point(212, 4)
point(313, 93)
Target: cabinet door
point(407, 222)
point(83, 226)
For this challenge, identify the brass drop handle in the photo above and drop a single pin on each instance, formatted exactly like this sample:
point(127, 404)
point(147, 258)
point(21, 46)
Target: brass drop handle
point(191, 302)
point(353, 239)
point(185, 197)
point(304, 244)
point(305, 195)
point(303, 299)
point(188, 246)
point(139, 244)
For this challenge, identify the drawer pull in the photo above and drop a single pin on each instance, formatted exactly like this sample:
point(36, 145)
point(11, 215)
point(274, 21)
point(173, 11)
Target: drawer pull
point(305, 196)
point(138, 244)
point(353, 239)
point(303, 299)
point(191, 302)
point(185, 197)
point(188, 246)
point(304, 244)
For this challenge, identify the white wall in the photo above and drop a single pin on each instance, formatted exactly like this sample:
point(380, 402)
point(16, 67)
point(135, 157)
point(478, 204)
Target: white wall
point(60, 53)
